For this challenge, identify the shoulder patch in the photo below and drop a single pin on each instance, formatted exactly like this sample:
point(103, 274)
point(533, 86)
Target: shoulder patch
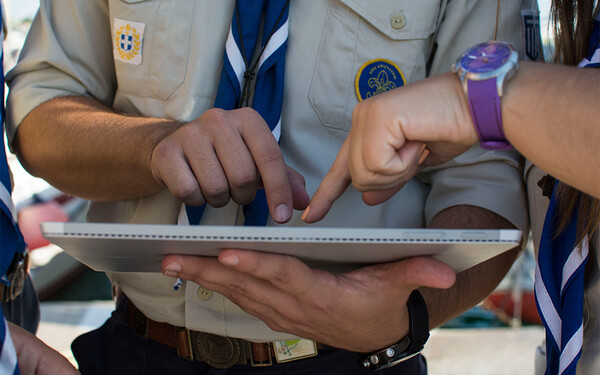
point(531, 38)
point(128, 41)
point(377, 76)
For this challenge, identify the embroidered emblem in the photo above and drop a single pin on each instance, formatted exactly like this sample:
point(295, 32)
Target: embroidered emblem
point(128, 40)
point(377, 76)
point(290, 350)
point(530, 34)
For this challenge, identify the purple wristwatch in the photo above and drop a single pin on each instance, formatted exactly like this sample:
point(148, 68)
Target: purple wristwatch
point(482, 70)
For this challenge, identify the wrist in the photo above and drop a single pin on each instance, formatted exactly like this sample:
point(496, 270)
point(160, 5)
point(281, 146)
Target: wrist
point(483, 70)
point(466, 132)
point(156, 133)
point(412, 344)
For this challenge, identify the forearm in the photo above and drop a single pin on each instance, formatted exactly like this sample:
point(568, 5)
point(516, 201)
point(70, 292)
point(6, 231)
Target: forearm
point(476, 283)
point(551, 115)
point(84, 148)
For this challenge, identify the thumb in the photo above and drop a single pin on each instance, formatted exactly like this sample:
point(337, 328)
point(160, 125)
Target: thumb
point(373, 198)
point(298, 184)
point(421, 271)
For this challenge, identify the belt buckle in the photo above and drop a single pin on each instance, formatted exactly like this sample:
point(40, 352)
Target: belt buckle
point(292, 350)
point(253, 362)
point(217, 351)
point(184, 343)
point(16, 275)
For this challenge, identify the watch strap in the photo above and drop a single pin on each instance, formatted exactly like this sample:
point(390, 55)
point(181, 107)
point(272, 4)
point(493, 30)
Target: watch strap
point(418, 317)
point(484, 104)
point(411, 345)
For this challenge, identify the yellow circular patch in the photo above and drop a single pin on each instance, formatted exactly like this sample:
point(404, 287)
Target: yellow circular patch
point(377, 76)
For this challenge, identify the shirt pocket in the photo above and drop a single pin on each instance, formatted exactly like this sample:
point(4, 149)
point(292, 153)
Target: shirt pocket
point(164, 45)
point(357, 32)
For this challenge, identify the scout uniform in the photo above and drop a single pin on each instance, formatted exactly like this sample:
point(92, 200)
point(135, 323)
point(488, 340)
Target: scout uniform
point(163, 59)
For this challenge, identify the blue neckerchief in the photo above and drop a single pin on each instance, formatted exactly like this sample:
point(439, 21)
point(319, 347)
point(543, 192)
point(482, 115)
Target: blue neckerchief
point(11, 239)
point(267, 71)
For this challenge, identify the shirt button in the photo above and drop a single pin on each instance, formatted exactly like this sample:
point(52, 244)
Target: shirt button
point(398, 21)
point(203, 294)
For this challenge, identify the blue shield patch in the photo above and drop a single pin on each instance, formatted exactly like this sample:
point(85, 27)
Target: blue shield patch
point(377, 76)
point(126, 42)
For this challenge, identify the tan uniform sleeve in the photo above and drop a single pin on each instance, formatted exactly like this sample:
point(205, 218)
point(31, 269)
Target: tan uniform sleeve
point(61, 59)
point(487, 179)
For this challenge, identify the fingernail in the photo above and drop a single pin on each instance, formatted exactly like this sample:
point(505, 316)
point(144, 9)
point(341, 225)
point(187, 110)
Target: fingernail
point(172, 269)
point(424, 156)
point(305, 214)
point(231, 260)
point(282, 213)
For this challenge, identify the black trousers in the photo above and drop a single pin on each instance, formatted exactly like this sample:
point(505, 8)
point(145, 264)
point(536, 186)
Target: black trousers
point(115, 348)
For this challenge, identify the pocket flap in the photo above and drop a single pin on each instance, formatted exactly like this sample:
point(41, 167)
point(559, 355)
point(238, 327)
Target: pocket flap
point(417, 18)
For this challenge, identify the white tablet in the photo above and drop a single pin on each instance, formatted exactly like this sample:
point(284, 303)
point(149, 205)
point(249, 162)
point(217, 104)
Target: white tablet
point(141, 247)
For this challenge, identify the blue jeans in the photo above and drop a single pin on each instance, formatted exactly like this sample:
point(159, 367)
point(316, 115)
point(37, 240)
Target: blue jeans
point(116, 349)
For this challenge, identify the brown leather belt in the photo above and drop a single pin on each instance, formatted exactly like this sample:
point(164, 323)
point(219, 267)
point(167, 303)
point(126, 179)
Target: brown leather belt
point(217, 351)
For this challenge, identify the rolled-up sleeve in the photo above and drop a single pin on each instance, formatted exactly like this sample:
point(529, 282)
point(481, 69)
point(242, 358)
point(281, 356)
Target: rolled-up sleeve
point(488, 179)
point(62, 59)
point(491, 180)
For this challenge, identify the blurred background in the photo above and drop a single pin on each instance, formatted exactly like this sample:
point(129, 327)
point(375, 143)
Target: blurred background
point(499, 336)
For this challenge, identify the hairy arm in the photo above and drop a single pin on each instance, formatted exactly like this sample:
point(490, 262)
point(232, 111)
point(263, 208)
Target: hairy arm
point(476, 283)
point(86, 149)
point(551, 115)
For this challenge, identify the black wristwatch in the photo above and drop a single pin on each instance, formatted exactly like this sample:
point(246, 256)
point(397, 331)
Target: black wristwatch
point(411, 345)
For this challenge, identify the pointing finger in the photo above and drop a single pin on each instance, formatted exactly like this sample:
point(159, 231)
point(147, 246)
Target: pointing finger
point(331, 188)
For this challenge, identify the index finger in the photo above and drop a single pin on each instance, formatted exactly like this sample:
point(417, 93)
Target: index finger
point(269, 160)
point(331, 188)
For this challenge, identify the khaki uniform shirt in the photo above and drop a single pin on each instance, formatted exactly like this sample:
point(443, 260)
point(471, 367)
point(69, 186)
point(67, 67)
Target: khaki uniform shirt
point(589, 362)
point(71, 50)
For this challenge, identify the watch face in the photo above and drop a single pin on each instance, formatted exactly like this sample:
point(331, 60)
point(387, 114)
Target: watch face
point(485, 57)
